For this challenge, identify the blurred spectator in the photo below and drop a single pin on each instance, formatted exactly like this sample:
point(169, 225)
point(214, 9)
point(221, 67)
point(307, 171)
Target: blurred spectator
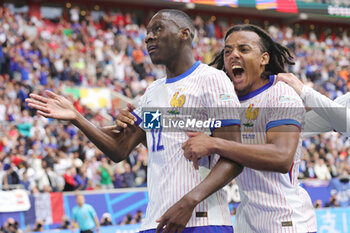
point(106, 219)
point(128, 176)
point(332, 202)
point(309, 171)
point(39, 226)
point(332, 167)
point(321, 170)
point(25, 181)
point(340, 190)
point(69, 178)
point(84, 179)
point(106, 174)
point(65, 223)
point(11, 177)
point(138, 217)
point(118, 178)
point(127, 220)
point(318, 204)
point(210, 28)
point(140, 168)
point(74, 14)
point(10, 226)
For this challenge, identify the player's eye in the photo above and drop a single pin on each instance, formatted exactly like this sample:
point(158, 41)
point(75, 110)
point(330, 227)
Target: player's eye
point(227, 52)
point(158, 28)
point(244, 49)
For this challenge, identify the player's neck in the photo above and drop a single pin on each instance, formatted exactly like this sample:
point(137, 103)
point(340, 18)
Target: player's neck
point(251, 88)
point(258, 84)
point(179, 65)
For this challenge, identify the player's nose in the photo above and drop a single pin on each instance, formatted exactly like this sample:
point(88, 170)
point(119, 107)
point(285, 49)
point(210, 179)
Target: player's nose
point(235, 53)
point(150, 36)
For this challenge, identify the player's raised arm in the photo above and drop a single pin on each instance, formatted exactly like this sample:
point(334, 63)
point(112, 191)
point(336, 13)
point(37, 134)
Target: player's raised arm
point(117, 146)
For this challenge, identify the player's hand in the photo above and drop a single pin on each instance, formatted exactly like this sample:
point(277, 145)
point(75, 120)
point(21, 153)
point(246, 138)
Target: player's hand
point(125, 117)
point(199, 145)
point(176, 218)
point(52, 106)
point(291, 80)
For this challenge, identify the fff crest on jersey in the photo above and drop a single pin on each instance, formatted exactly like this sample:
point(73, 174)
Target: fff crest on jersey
point(251, 114)
point(177, 101)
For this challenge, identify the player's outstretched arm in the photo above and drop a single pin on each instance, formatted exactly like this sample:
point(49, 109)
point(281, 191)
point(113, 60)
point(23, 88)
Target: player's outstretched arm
point(336, 114)
point(326, 114)
point(117, 146)
point(224, 171)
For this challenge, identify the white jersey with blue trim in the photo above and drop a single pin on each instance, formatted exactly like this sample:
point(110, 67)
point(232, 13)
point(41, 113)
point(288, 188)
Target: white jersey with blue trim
point(203, 93)
point(272, 202)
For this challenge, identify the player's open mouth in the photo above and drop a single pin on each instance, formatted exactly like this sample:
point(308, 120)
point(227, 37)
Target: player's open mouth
point(237, 71)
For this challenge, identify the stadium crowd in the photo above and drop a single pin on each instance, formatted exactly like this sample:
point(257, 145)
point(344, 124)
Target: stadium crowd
point(42, 155)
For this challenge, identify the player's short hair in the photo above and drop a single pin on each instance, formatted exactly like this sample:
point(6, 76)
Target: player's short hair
point(182, 18)
point(279, 55)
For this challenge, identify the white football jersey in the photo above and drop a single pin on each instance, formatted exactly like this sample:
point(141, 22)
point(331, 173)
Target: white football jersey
point(272, 202)
point(203, 93)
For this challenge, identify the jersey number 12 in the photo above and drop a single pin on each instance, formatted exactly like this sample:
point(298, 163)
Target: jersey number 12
point(156, 136)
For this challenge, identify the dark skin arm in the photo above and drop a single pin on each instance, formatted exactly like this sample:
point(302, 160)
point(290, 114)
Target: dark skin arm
point(276, 155)
point(116, 146)
point(176, 218)
point(125, 119)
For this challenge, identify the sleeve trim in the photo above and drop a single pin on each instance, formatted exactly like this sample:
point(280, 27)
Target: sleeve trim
point(276, 123)
point(139, 120)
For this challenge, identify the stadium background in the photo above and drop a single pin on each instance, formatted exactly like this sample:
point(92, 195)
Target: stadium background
point(93, 52)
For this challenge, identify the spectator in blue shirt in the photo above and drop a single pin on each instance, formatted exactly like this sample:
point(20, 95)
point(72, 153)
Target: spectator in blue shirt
point(118, 179)
point(25, 181)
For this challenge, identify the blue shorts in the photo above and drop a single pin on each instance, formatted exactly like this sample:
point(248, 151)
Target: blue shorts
point(205, 229)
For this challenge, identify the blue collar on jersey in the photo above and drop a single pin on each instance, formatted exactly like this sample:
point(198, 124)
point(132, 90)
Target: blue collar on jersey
point(259, 90)
point(184, 75)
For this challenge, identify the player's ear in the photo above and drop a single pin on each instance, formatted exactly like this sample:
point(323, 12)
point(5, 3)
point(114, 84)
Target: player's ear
point(185, 34)
point(265, 58)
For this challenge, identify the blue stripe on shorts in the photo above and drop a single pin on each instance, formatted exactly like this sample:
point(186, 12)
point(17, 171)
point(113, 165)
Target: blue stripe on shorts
point(204, 229)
